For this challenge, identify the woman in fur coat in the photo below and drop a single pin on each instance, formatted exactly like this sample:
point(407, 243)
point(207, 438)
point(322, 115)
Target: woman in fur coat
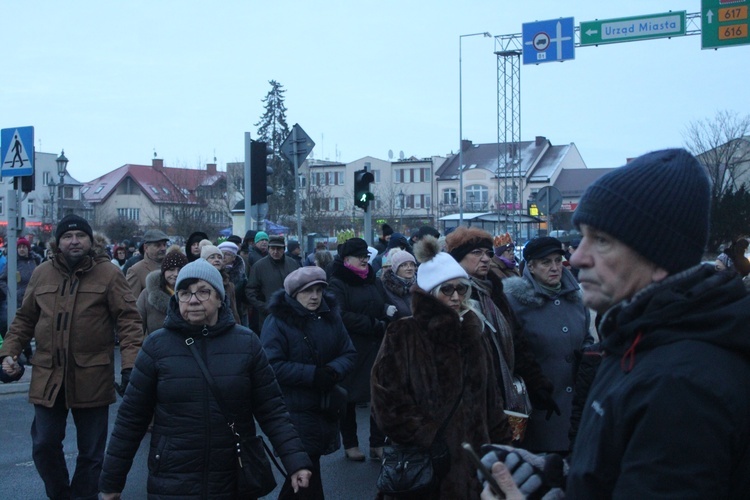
point(153, 301)
point(430, 360)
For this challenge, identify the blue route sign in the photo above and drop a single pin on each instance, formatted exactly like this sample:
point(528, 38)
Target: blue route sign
point(17, 152)
point(548, 41)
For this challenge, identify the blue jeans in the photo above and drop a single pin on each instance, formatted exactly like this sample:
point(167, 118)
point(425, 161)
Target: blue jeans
point(47, 434)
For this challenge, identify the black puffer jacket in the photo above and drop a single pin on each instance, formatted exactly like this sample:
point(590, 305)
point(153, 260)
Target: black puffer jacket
point(191, 454)
point(294, 361)
point(362, 303)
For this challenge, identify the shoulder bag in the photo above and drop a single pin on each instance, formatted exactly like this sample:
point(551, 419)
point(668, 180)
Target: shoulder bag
point(407, 470)
point(254, 474)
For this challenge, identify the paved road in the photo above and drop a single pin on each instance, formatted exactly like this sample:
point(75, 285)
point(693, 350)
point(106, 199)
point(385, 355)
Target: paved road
point(341, 479)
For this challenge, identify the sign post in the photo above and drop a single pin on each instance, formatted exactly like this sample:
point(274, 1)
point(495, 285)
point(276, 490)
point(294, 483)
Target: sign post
point(724, 23)
point(295, 148)
point(629, 29)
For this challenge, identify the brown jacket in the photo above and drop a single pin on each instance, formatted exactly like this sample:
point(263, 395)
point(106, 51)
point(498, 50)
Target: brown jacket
point(137, 274)
point(73, 316)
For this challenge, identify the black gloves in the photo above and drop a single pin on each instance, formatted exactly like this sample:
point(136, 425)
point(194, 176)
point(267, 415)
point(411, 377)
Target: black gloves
point(124, 381)
point(325, 377)
point(537, 476)
point(542, 400)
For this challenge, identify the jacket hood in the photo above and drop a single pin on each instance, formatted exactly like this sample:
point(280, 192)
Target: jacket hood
point(697, 304)
point(527, 291)
point(157, 297)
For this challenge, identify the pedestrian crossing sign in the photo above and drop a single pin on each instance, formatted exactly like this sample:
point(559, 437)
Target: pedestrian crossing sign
point(17, 152)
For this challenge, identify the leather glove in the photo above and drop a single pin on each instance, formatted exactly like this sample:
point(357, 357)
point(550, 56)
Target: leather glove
point(538, 477)
point(124, 381)
point(325, 377)
point(542, 400)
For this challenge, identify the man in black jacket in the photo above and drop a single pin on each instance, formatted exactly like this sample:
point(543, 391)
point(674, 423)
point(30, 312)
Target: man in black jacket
point(668, 414)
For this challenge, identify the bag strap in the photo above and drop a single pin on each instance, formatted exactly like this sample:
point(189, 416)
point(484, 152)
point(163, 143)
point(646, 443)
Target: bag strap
point(190, 342)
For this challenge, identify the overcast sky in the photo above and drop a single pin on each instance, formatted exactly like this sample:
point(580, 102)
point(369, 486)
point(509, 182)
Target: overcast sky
point(110, 82)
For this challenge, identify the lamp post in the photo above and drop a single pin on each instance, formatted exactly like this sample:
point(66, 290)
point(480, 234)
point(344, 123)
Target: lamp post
point(52, 187)
point(461, 129)
point(401, 197)
point(62, 165)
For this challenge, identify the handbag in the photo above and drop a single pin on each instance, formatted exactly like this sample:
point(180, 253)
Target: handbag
point(407, 469)
point(254, 475)
point(333, 401)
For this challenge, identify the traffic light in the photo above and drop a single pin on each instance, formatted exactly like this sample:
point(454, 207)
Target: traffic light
point(362, 193)
point(259, 172)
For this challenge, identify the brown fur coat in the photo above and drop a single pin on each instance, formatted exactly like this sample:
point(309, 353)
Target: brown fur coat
point(419, 372)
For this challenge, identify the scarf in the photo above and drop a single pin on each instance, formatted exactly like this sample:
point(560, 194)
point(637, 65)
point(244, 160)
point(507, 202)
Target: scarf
point(552, 290)
point(362, 273)
point(396, 284)
point(510, 263)
point(500, 336)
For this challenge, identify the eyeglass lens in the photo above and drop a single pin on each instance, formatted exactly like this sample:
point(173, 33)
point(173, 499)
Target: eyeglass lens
point(449, 289)
point(185, 295)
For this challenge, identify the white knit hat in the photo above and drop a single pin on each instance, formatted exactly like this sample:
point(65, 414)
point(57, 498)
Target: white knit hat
point(436, 267)
point(208, 249)
point(229, 247)
point(202, 270)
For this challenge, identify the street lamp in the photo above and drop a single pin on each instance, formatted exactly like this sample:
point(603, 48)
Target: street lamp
point(52, 187)
point(401, 197)
point(62, 164)
point(461, 129)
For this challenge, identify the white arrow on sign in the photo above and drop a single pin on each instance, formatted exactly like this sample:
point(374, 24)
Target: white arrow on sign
point(710, 16)
point(591, 32)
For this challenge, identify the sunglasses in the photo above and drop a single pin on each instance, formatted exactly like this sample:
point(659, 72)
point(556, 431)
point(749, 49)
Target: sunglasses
point(448, 290)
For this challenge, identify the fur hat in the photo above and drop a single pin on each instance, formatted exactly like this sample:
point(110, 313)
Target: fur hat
point(229, 247)
point(208, 249)
point(73, 222)
point(465, 239)
point(353, 246)
point(400, 257)
point(202, 270)
point(658, 205)
point(174, 258)
point(435, 267)
point(303, 278)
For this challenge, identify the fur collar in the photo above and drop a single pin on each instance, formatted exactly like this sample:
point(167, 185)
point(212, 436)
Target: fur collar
point(157, 298)
point(442, 322)
point(528, 292)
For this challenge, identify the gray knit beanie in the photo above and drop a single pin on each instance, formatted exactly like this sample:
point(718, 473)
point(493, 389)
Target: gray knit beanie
point(658, 205)
point(202, 270)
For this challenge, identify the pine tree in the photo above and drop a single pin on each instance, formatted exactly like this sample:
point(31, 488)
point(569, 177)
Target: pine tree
point(273, 129)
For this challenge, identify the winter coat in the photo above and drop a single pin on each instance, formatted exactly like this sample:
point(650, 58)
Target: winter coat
point(253, 256)
point(266, 277)
point(73, 315)
point(294, 362)
point(24, 268)
point(238, 275)
point(503, 270)
point(362, 303)
point(555, 327)
point(191, 449)
point(152, 303)
point(587, 363)
point(397, 293)
point(423, 365)
point(136, 275)
point(669, 410)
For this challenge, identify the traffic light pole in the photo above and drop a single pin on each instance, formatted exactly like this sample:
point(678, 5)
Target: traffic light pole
point(248, 177)
point(368, 216)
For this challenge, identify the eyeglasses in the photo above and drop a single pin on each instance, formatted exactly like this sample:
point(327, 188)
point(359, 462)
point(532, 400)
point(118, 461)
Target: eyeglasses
point(202, 295)
point(480, 252)
point(362, 257)
point(448, 290)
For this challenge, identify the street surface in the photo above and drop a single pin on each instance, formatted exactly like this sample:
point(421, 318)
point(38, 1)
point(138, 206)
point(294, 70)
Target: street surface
point(342, 480)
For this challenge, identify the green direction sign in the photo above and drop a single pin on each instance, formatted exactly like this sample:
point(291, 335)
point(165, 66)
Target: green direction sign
point(628, 29)
point(724, 23)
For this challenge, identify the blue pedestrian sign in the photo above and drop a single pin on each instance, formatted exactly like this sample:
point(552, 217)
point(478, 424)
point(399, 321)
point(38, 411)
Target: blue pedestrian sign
point(17, 152)
point(548, 41)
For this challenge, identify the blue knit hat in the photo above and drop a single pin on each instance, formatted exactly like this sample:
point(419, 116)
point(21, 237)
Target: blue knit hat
point(202, 270)
point(658, 205)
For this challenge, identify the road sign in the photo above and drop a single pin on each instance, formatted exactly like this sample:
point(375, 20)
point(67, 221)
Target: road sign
point(629, 29)
point(548, 41)
point(548, 200)
point(17, 152)
point(724, 23)
point(297, 144)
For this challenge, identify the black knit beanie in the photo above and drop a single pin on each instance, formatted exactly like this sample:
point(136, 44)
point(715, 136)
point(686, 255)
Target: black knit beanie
point(658, 205)
point(72, 222)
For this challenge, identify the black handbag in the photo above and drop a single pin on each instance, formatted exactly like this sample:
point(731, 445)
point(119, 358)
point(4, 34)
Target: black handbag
point(254, 475)
point(409, 470)
point(333, 401)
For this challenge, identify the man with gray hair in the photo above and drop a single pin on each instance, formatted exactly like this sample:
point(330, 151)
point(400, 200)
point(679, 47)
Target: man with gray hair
point(668, 414)
point(154, 250)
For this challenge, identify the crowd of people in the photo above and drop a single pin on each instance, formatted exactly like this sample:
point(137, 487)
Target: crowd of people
point(579, 370)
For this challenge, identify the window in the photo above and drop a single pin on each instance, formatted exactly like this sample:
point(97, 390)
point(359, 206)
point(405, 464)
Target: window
point(331, 180)
point(2, 205)
point(166, 191)
point(476, 197)
point(30, 208)
point(449, 196)
point(302, 181)
point(129, 213)
point(154, 190)
point(341, 176)
point(99, 190)
point(376, 175)
point(84, 190)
